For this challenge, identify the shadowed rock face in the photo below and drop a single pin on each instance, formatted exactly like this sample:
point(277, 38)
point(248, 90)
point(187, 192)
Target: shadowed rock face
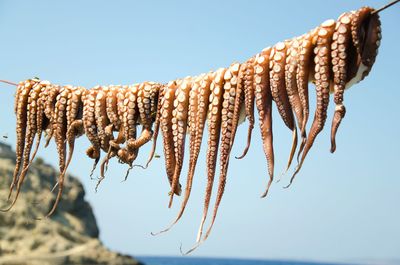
point(70, 236)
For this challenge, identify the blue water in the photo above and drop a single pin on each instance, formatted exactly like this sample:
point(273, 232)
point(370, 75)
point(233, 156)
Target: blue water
point(218, 261)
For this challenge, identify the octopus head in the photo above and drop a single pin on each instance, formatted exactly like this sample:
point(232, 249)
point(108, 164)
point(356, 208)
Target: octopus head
point(366, 37)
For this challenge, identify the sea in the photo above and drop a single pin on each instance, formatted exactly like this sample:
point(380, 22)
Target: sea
point(221, 261)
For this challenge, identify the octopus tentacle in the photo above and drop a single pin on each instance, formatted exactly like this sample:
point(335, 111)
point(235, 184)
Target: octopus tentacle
point(108, 108)
point(341, 40)
point(74, 121)
point(21, 99)
point(249, 102)
point(31, 126)
point(167, 104)
point(199, 96)
point(264, 106)
point(112, 107)
point(214, 128)
point(112, 115)
point(179, 127)
point(40, 118)
point(114, 103)
point(322, 82)
point(60, 118)
point(52, 94)
point(30, 131)
point(130, 119)
point(18, 91)
point(157, 111)
point(302, 76)
point(128, 109)
point(197, 115)
point(227, 114)
point(358, 33)
point(279, 94)
point(368, 27)
point(89, 124)
point(292, 59)
point(154, 101)
point(292, 91)
point(74, 129)
point(238, 108)
point(102, 122)
point(146, 97)
point(101, 118)
point(359, 56)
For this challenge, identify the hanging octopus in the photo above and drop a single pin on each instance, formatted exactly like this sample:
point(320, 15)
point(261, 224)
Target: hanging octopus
point(333, 56)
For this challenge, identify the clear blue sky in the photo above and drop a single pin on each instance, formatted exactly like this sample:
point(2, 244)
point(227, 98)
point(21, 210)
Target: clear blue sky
point(341, 207)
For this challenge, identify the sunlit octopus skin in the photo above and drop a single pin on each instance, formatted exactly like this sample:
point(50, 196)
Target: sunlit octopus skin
point(279, 94)
point(292, 61)
point(238, 108)
point(366, 36)
point(365, 56)
point(340, 47)
point(111, 110)
point(157, 121)
point(248, 88)
point(302, 78)
point(322, 78)
point(41, 120)
point(60, 131)
point(52, 94)
point(75, 130)
point(18, 90)
point(74, 121)
point(102, 122)
point(101, 118)
point(115, 111)
point(144, 101)
point(193, 128)
point(130, 114)
point(179, 126)
point(112, 107)
point(31, 128)
point(104, 132)
point(198, 107)
point(22, 96)
point(296, 99)
point(167, 106)
point(89, 124)
point(227, 115)
point(20, 116)
point(264, 107)
point(334, 56)
point(214, 129)
point(30, 132)
point(147, 96)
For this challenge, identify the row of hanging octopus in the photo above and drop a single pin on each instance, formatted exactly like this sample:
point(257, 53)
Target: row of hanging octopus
point(333, 56)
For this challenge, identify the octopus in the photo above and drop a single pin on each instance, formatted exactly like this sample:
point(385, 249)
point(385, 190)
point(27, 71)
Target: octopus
point(333, 56)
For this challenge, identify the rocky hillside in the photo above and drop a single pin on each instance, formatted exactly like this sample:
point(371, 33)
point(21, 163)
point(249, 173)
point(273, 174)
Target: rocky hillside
point(70, 236)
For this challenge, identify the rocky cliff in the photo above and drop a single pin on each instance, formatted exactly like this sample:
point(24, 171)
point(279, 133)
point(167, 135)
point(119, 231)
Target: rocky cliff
point(70, 236)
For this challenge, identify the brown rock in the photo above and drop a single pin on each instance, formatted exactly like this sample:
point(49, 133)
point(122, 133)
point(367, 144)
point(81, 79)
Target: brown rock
point(70, 236)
